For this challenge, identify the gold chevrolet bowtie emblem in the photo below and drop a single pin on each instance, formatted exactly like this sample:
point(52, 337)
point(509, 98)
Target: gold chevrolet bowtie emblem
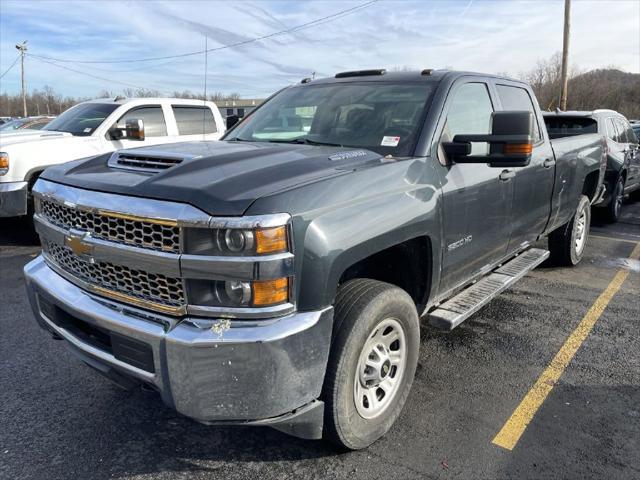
point(78, 246)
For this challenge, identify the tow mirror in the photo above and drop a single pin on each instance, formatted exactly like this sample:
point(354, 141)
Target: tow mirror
point(115, 133)
point(134, 129)
point(510, 141)
point(232, 120)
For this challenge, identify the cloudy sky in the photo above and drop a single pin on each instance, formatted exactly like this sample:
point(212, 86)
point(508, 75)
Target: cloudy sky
point(482, 35)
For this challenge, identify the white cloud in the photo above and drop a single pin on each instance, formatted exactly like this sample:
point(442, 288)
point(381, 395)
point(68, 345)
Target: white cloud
point(489, 36)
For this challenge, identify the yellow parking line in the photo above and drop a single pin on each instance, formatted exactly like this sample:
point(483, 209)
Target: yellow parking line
point(513, 429)
point(613, 238)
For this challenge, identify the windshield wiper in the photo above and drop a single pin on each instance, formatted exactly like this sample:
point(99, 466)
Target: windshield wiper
point(315, 142)
point(305, 141)
point(238, 139)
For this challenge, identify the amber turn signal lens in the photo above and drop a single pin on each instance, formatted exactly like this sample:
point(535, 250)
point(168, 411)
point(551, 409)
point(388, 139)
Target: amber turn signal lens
point(271, 240)
point(4, 160)
point(514, 148)
point(270, 292)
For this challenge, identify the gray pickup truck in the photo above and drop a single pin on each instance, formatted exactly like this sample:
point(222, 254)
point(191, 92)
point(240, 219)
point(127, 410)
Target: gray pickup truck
point(278, 277)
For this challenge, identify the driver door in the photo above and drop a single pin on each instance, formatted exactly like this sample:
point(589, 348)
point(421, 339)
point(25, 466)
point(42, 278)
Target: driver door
point(155, 127)
point(476, 200)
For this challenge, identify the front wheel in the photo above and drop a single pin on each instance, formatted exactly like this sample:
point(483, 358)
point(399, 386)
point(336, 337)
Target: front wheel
point(372, 362)
point(567, 243)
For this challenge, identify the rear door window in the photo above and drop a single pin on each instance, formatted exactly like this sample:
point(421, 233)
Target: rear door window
point(516, 98)
point(612, 131)
point(626, 133)
point(153, 118)
point(194, 120)
point(631, 133)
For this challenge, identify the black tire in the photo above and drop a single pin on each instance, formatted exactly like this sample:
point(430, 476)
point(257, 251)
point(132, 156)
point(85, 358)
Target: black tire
point(612, 211)
point(563, 241)
point(361, 306)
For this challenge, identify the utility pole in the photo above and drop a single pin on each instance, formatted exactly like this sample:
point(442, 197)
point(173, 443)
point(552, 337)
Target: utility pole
point(22, 48)
point(564, 82)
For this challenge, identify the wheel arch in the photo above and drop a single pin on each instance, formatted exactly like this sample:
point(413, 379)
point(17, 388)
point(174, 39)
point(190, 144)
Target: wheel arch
point(407, 247)
point(406, 265)
point(32, 176)
point(590, 184)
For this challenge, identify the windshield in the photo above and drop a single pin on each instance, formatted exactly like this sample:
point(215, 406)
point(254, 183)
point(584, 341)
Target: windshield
point(380, 116)
point(83, 119)
point(12, 125)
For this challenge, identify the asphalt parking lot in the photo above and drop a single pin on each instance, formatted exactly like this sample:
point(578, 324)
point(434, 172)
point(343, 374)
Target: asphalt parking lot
point(60, 420)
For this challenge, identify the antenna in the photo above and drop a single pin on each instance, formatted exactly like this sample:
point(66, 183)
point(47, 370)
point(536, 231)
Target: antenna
point(204, 102)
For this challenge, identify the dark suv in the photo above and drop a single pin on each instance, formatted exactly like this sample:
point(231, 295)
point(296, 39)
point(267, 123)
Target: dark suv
point(623, 157)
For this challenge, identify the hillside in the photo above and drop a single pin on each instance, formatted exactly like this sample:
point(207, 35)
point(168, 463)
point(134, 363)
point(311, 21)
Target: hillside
point(602, 88)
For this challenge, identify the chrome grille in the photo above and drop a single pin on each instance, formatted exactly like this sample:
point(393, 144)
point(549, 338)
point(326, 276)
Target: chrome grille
point(129, 231)
point(148, 287)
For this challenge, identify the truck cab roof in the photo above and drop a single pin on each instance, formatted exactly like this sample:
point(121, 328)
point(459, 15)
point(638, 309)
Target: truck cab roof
point(147, 100)
point(426, 75)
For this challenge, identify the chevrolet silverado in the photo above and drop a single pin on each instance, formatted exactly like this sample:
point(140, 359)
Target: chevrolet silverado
point(278, 277)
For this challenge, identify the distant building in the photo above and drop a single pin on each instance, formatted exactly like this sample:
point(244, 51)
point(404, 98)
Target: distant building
point(240, 107)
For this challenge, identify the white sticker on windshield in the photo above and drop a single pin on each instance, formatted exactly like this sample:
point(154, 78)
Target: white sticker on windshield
point(390, 141)
point(87, 130)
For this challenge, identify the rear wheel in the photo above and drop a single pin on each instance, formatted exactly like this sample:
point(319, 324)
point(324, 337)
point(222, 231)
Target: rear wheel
point(612, 211)
point(567, 243)
point(372, 363)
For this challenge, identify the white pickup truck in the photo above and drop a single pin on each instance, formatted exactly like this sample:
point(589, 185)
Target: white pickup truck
point(96, 127)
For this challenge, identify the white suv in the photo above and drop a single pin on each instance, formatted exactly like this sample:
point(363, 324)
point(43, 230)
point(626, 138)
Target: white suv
point(96, 127)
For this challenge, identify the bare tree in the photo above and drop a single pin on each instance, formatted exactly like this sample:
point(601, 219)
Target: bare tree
point(602, 88)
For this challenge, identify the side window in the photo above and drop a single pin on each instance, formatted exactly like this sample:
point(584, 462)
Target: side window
point(470, 113)
point(626, 134)
point(153, 118)
point(229, 112)
point(631, 134)
point(612, 132)
point(241, 112)
point(194, 120)
point(516, 98)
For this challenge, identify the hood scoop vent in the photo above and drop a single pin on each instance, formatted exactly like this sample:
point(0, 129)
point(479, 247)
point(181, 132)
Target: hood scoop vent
point(143, 162)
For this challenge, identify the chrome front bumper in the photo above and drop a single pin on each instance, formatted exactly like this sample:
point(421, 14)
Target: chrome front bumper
point(227, 371)
point(13, 199)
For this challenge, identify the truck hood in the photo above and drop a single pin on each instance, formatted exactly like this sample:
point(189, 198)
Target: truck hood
point(221, 178)
point(23, 136)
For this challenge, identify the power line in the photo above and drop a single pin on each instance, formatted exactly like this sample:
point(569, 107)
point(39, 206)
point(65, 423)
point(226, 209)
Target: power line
point(11, 66)
point(37, 57)
point(124, 83)
point(312, 23)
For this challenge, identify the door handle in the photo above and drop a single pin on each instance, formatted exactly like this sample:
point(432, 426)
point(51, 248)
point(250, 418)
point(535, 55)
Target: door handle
point(548, 163)
point(506, 175)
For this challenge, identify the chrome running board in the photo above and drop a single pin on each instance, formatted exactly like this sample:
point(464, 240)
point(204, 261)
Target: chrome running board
point(457, 309)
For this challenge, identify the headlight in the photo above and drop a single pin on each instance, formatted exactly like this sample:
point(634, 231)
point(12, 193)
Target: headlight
point(4, 163)
point(236, 293)
point(236, 241)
